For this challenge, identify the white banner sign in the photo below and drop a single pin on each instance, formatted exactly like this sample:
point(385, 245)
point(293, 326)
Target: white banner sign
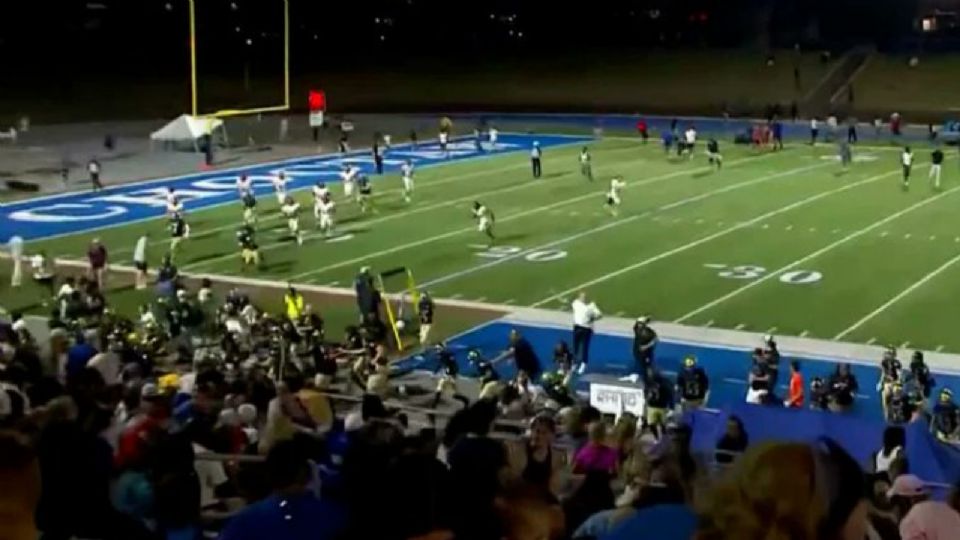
point(316, 119)
point(612, 399)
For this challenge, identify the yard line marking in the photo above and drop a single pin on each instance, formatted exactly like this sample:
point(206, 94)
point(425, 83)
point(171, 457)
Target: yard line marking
point(905, 344)
point(813, 229)
point(789, 227)
point(705, 239)
point(957, 239)
point(939, 348)
point(333, 284)
point(933, 237)
point(852, 236)
point(715, 266)
point(708, 323)
point(871, 341)
point(509, 301)
point(481, 299)
point(456, 232)
point(765, 226)
point(574, 213)
point(610, 225)
point(620, 314)
point(771, 330)
point(455, 296)
point(886, 305)
point(699, 221)
point(884, 234)
point(740, 326)
point(805, 333)
point(906, 236)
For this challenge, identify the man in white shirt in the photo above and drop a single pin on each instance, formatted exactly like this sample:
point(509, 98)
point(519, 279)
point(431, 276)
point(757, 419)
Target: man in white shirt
point(15, 245)
point(493, 134)
point(93, 167)
point(348, 177)
point(280, 187)
point(406, 171)
point(814, 130)
point(584, 316)
point(536, 154)
point(906, 160)
point(140, 261)
point(444, 139)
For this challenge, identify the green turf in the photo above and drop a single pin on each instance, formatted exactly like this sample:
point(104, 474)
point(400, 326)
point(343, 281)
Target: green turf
point(786, 212)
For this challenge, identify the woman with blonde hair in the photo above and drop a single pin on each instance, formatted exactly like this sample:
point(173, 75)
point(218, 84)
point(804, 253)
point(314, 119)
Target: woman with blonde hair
point(788, 491)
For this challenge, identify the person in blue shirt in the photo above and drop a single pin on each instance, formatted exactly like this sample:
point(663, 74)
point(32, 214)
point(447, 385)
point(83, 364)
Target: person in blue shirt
point(292, 512)
point(777, 129)
point(79, 355)
point(667, 138)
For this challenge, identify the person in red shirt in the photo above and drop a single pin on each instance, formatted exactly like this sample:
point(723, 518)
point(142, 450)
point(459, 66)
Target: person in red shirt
point(795, 399)
point(642, 130)
point(97, 257)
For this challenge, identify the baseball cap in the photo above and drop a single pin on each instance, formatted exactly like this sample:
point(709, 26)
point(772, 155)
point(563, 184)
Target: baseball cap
point(908, 485)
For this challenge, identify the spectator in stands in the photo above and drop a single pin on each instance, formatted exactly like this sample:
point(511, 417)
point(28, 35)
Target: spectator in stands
point(894, 442)
point(881, 517)
point(534, 461)
point(921, 517)
point(19, 486)
point(843, 389)
point(660, 509)
point(597, 456)
point(764, 499)
point(292, 512)
point(624, 434)
point(733, 443)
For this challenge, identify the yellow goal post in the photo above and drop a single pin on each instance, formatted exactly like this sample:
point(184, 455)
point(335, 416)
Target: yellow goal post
point(406, 300)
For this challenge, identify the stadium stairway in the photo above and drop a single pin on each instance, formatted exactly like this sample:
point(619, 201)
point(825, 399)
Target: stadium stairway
point(829, 96)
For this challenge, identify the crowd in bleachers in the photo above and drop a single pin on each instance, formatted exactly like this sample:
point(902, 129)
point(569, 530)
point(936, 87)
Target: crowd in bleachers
point(207, 417)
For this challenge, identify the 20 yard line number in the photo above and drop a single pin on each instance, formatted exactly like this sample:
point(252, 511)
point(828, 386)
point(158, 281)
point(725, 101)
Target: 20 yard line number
point(538, 256)
point(749, 271)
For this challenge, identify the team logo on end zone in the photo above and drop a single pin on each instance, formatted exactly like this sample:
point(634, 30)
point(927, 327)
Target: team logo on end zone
point(858, 157)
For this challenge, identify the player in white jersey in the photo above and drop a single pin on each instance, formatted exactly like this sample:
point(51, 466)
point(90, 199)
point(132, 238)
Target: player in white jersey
point(326, 209)
point(348, 176)
point(444, 140)
point(406, 172)
point(291, 210)
point(690, 141)
point(906, 160)
point(613, 196)
point(174, 206)
point(280, 187)
point(244, 185)
point(484, 219)
point(493, 134)
point(320, 192)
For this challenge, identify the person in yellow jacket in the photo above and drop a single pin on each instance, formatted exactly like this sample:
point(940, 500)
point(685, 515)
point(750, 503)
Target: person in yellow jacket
point(293, 301)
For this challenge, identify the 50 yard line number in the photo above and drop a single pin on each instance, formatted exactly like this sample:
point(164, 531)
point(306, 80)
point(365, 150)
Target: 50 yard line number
point(539, 256)
point(748, 271)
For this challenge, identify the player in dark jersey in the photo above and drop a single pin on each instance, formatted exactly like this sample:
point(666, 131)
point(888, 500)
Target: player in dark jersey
point(447, 384)
point(897, 406)
point(693, 385)
point(483, 368)
point(890, 372)
point(249, 201)
point(946, 417)
point(178, 231)
point(425, 310)
point(249, 251)
point(819, 396)
point(365, 194)
point(920, 376)
point(713, 153)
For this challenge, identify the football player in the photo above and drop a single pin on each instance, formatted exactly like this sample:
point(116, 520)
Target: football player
point(586, 168)
point(174, 205)
point(280, 187)
point(613, 196)
point(485, 220)
point(425, 309)
point(365, 194)
point(713, 153)
point(406, 172)
point(249, 251)
point(320, 193)
point(906, 161)
point(890, 374)
point(249, 208)
point(291, 211)
point(693, 385)
point(178, 231)
point(325, 221)
point(348, 176)
point(244, 185)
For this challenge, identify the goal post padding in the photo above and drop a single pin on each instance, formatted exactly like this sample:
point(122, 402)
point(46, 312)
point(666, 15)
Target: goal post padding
point(407, 298)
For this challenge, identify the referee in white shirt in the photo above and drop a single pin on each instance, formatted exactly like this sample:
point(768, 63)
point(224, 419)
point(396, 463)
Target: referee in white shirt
point(584, 315)
point(15, 245)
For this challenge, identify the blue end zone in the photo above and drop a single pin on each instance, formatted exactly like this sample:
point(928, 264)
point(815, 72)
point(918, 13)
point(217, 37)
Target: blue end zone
point(69, 213)
point(859, 431)
point(611, 355)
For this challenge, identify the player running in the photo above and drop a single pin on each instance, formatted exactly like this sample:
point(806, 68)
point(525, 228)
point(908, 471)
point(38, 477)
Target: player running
point(406, 173)
point(444, 140)
point(178, 231)
point(936, 163)
point(280, 187)
point(586, 168)
point(291, 211)
point(906, 161)
point(249, 251)
point(689, 142)
point(249, 202)
point(244, 185)
point(713, 153)
point(320, 192)
point(348, 176)
point(484, 219)
point(613, 196)
point(326, 209)
point(174, 205)
point(365, 194)
point(493, 134)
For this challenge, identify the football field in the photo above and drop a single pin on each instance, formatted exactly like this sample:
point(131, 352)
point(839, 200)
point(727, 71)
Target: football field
point(780, 242)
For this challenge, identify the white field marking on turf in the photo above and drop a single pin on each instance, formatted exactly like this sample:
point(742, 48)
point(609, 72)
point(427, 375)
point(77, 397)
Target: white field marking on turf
point(939, 348)
point(933, 237)
point(765, 226)
point(610, 225)
point(533, 211)
point(509, 301)
point(456, 296)
point(339, 238)
point(871, 341)
point(481, 299)
point(884, 234)
point(715, 266)
point(699, 221)
point(333, 284)
point(705, 239)
point(813, 229)
point(905, 344)
point(886, 305)
point(708, 323)
point(906, 236)
point(852, 236)
point(805, 333)
point(771, 330)
point(789, 227)
point(620, 314)
point(740, 326)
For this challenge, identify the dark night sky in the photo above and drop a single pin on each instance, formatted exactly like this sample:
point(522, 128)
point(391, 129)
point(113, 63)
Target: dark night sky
point(147, 38)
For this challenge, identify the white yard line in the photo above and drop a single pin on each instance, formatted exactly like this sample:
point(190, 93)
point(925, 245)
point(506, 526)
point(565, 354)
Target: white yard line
point(456, 232)
point(708, 238)
point(852, 236)
point(612, 224)
point(899, 296)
